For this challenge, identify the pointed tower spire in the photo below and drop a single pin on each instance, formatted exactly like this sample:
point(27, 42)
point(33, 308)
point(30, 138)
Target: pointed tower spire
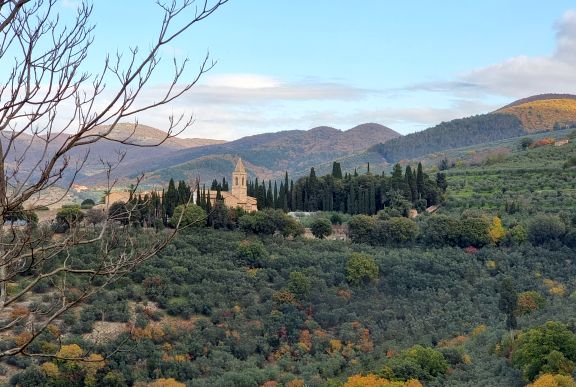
point(240, 181)
point(239, 166)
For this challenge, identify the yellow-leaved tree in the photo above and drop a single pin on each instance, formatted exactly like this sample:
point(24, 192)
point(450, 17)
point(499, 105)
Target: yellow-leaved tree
point(372, 380)
point(550, 380)
point(496, 230)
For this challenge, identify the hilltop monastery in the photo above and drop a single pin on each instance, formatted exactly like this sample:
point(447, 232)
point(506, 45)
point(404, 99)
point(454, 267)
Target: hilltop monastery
point(238, 195)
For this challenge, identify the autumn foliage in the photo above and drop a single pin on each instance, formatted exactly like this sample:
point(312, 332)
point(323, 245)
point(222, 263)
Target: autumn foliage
point(372, 380)
point(549, 380)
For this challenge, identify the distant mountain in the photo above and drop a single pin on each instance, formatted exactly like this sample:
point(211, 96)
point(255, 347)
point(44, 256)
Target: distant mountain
point(265, 155)
point(143, 134)
point(544, 111)
point(109, 150)
point(529, 115)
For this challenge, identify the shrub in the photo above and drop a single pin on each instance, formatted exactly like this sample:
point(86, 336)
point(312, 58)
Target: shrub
point(525, 143)
point(440, 230)
point(31, 377)
point(549, 380)
point(321, 228)
point(549, 348)
point(418, 362)
point(360, 269)
point(528, 302)
point(293, 228)
point(192, 215)
point(544, 228)
point(87, 203)
point(252, 253)
point(299, 284)
point(336, 218)
point(474, 231)
point(118, 212)
point(361, 228)
point(395, 231)
point(95, 216)
point(67, 217)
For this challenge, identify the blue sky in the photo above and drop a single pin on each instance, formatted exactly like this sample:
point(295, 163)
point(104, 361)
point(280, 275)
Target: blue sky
point(299, 64)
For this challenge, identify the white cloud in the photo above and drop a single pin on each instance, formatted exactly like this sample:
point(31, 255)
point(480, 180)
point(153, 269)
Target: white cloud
point(525, 75)
point(246, 89)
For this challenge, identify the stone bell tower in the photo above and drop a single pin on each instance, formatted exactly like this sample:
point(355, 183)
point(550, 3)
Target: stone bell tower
point(240, 181)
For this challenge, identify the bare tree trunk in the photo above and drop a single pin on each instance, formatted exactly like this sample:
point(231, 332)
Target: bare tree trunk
point(3, 197)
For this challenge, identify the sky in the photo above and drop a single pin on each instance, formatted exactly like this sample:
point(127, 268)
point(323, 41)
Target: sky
point(298, 64)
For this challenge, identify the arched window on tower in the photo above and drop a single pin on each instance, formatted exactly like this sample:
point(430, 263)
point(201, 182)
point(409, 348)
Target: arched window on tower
point(242, 181)
point(236, 182)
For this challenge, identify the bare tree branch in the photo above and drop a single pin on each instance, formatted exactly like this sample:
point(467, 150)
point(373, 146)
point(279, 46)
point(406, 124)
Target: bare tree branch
point(38, 151)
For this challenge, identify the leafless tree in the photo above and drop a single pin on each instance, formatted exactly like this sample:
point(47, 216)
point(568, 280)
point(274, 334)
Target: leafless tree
point(45, 57)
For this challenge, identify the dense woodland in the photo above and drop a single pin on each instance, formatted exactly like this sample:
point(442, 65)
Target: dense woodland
point(351, 193)
point(462, 297)
point(453, 134)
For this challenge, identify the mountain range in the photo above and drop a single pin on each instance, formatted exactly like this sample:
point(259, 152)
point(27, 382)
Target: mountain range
point(269, 155)
point(265, 155)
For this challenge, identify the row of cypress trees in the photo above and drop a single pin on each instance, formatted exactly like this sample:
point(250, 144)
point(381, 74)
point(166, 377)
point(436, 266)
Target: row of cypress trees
point(349, 193)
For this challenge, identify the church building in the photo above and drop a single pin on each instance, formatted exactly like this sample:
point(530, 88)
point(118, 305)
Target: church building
point(238, 195)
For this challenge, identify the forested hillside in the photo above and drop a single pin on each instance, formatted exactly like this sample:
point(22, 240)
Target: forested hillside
point(453, 134)
point(534, 114)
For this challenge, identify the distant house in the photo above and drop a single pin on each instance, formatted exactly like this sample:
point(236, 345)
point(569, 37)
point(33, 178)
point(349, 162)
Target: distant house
point(238, 196)
point(561, 142)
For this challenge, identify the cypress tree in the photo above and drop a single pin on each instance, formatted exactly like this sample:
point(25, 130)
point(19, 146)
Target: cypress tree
point(312, 192)
point(372, 199)
point(203, 199)
point(368, 169)
point(275, 194)
point(183, 193)
point(508, 302)
point(336, 170)
point(441, 181)
point(360, 209)
point(411, 183)
point(420, 181)
point(299, 199)
point(208, 210)
point(312, 174)
point(269, 196)
point(218, 194)
point(352, 201)
point(292, 197)
point(225, 184)
point(397, 174)
point(287, 194)
point(171, 200)
point(261, 195)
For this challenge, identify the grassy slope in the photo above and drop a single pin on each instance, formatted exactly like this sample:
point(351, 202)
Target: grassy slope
point(543, 114)
point(534, 178)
